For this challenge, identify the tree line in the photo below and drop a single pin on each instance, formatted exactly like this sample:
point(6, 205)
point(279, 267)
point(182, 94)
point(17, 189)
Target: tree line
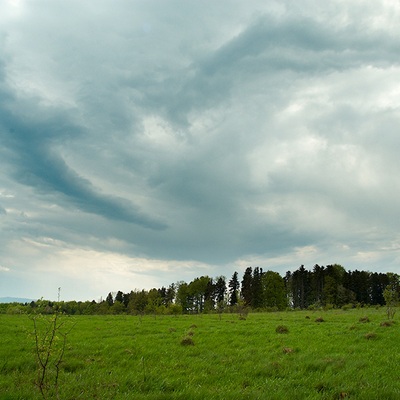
point(329, 287)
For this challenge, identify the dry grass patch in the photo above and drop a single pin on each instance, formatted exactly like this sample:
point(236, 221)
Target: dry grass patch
point(288, 350)
point(187, 341)
point(282, 329)
point(370, 335)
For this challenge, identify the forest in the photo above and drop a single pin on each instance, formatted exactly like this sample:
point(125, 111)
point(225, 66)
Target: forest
point(257, 290)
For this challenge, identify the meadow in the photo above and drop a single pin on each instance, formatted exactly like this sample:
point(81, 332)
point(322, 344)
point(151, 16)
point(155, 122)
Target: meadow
point(332, 354)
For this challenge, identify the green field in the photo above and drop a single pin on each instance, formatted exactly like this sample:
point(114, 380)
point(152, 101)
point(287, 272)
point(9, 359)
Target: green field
point(348, 355)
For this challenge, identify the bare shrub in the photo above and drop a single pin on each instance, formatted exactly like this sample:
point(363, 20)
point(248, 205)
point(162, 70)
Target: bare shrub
point(50, 337)
point(243, 311)
point(387, 323)
point(364, 320)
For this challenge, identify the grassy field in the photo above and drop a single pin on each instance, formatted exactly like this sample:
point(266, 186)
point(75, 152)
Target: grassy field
point(348, 355)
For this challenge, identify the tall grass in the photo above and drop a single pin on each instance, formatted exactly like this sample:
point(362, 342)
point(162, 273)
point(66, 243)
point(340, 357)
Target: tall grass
point(125, 357)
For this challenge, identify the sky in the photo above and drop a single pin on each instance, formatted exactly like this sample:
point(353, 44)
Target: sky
point(147, 142)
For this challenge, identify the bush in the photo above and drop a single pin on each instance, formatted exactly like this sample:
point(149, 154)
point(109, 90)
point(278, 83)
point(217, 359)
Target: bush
point(347, 307)
point(319, 319)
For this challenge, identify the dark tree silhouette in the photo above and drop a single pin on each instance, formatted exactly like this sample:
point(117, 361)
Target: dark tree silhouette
point(246, 290)
point(234, 287)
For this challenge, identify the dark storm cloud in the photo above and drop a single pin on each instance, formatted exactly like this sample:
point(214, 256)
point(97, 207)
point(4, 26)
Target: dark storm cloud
point(32, 144)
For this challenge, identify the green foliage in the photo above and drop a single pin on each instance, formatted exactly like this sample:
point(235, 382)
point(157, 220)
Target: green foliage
point(323, 288)
point(391, 295)
point(274, 291)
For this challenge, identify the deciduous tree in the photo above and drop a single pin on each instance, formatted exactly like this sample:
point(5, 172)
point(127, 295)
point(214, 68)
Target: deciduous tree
point(274, 290)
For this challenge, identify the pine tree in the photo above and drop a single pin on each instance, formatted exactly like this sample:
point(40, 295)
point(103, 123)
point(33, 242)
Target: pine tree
point(234, 287)
point(110, 299)
point(301, 288)
point(119, 296)
point(246, 292)
point(220, 289)
point(257, 288)
point(317, 280)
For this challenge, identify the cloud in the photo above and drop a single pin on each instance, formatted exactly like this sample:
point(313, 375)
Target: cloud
point(32, 143)
point(293, 49)
point(167, 135)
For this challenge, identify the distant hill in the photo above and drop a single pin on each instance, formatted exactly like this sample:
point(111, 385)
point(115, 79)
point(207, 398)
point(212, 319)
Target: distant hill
point(14, 300)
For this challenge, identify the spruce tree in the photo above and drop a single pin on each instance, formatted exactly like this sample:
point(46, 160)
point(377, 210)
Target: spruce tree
point(220, 289)
point(234, 287)
point(246, 291)
point(110, 299)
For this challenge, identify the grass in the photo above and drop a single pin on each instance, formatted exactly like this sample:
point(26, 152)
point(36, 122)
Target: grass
point(125, 357)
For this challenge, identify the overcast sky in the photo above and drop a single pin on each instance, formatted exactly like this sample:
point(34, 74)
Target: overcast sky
point(146, 142)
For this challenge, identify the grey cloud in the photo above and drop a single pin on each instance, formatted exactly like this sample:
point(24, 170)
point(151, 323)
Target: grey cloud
point(36, 163)
point(264, 50)
point(264, 131)
point(303, 45)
